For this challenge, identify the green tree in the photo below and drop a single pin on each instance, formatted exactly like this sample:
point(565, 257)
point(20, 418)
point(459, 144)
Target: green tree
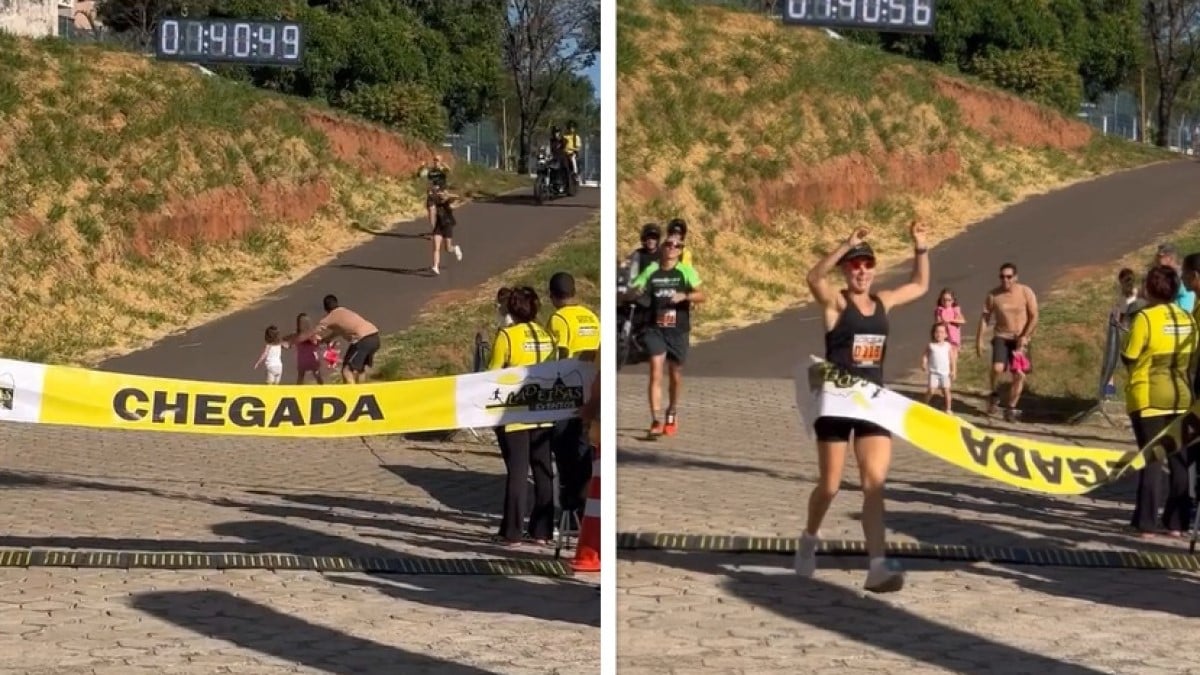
point(575, 101)
point(370, 52)
point(136, 20)
point(1100, 39)
point(1175, 54)
point(474, 31)
point(545, 43)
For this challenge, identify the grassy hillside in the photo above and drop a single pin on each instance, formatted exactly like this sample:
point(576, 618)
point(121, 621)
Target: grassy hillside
point(773, 141)
point(139, 198)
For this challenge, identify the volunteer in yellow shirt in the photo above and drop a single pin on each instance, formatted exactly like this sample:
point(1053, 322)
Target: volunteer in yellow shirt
point(571, 145)
point(525, 447)
point(576, 332)
point(575, 328)
point(1159, 354)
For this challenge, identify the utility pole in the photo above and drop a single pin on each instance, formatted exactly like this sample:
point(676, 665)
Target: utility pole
point(1142, 104)
point(504, 131)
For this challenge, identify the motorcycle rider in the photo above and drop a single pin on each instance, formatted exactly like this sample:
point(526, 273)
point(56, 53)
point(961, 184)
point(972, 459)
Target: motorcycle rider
point(633, 310)
point(572, 145)
point(558, 150)
point(641, 258)
point(679, 226)
point(676, 227)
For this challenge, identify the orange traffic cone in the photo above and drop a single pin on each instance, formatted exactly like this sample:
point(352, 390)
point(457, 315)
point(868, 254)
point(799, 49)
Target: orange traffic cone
point(587, 550)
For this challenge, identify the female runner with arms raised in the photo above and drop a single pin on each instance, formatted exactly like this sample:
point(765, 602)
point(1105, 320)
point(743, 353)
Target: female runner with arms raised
point(856, 334)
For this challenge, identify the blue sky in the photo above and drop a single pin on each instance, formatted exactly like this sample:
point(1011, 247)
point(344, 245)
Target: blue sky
point(593, 74)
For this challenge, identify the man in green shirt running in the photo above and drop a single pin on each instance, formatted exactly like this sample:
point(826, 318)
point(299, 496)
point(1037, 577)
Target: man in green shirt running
point(672, 287)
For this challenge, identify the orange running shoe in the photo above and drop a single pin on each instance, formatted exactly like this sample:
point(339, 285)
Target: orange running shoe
point(656, 428)
point(672, 426)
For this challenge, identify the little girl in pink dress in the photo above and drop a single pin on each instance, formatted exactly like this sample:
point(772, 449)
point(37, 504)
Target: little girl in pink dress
point(949, 313)
point(308, 358)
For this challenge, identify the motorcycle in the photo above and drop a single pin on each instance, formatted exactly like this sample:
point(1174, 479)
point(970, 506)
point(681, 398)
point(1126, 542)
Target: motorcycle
point(632, 319)
point(553, 180)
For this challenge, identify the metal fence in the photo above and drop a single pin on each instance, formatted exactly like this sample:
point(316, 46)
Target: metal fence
point(1117, 113)
point(1114, 114)
point(482, 144)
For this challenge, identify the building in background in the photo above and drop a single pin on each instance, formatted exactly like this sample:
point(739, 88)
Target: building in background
point(30, 18)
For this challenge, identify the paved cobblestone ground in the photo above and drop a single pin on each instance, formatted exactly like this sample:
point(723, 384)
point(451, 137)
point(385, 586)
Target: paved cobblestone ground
point(379, 497)
point(741, 465)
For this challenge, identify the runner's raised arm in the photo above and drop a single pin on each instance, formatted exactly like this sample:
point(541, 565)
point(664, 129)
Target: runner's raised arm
point(918, 284)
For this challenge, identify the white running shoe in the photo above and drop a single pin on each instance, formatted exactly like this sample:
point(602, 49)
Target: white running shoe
point(435, 270)
point(458, 252)
point(805, 562)
point(884, 576)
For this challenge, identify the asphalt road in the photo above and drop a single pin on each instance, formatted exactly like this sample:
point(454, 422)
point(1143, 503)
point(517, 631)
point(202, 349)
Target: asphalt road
point(385, 279)
point(1088, 223)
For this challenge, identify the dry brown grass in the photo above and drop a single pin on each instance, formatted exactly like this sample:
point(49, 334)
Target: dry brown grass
point(774, 142)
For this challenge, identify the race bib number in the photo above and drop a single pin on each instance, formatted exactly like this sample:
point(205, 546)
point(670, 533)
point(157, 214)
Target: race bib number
point(867, 350)
point(666, 318)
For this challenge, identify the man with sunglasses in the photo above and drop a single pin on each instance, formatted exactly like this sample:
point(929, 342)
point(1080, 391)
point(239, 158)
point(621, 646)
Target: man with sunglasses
point(672, 287)
point(1014, 309)
point(679, 226)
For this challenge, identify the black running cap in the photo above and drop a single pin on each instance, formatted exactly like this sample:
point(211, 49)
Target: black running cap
point(860, 250)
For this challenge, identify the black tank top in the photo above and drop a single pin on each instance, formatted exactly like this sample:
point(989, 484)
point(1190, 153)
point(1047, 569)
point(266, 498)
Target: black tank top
point(859, 343)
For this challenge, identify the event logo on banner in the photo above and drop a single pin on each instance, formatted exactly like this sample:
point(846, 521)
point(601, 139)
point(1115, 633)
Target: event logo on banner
point(824, 389)
point(547, 392)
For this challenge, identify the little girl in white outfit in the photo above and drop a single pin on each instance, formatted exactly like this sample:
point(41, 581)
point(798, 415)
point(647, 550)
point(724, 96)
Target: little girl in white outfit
point(938, 362)
point(272, 355)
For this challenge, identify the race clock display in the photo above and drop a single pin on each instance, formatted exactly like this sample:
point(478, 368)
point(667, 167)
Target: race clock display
point(892, 16)
point(212, 40)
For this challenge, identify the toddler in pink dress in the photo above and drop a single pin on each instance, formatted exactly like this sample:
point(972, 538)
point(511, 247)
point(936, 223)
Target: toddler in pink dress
point(950, 314)
point(308, 359)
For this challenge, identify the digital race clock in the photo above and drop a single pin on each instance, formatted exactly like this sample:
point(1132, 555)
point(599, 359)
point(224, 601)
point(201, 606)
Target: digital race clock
point(893, 16)
point(229, 40)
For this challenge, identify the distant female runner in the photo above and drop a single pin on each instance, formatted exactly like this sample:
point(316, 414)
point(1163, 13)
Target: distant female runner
point(856, 334)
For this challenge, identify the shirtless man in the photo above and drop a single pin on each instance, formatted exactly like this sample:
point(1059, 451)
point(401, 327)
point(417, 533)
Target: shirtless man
point(1013, 307)
point(362, 339)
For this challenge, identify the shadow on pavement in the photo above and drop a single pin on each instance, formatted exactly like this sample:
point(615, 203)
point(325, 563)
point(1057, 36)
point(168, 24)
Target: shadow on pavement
point(628, 457)
point(864, 619)
point(456, 488)
point(526, 199)
point(385, 508)
point(565, 600)
point(1062, 521)
point(1175, 592)
point(1035, 409)
point(392, 233)
point(253, 626)
point(21, 479)
point(511, 596)
point(409, 271)
point(946, 529)
point(456, 532)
